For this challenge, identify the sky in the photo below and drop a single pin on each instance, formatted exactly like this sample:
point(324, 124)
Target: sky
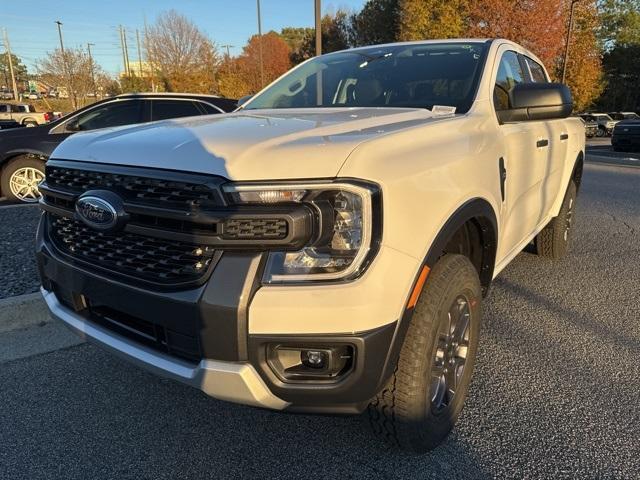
point(32, 32)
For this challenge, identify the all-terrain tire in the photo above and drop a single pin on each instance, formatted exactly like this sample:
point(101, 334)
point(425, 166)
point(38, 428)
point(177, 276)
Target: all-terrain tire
point(553, 241)
point(405, 412)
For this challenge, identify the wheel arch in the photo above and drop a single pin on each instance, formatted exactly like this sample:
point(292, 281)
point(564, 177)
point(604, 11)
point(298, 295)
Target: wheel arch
point(12, 155)
point(475, 213)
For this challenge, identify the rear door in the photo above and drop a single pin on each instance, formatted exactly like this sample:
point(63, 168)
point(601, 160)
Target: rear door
point(558, 137)
point(165, 109)
point(524, 158)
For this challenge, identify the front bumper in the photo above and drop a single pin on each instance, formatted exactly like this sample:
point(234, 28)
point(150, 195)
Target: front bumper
point(234, 382)
point(213, 319)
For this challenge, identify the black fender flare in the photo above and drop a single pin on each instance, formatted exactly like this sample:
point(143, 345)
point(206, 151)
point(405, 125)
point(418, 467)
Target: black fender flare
point(478, 209)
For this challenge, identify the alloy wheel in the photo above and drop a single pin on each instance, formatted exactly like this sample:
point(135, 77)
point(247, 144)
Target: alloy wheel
point(450, 354)
point(24, 182)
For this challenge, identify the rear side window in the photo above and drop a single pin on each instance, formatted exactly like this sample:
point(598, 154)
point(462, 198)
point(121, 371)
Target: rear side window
point(537, 72)
point(165, 109)
point(114, 114)
point(509, 75)
point(4, 108)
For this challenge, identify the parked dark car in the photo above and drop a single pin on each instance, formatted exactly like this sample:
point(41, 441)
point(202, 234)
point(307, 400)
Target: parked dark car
point(626, 136)
point(23, 151)
point(624, 116)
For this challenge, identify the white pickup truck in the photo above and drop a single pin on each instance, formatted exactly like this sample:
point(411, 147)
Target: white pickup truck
point(328, 246)
point(24, 114)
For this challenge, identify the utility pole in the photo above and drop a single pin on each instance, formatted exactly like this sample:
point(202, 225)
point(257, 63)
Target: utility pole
point(13, 76)
point(72, 93)
point(149, 59)
point(139, 54)
point(126, 50)
point(318, 28)
point(227, 47)
point(568, 40)
point(93, 77)
point(260, 44)
point(124, 56)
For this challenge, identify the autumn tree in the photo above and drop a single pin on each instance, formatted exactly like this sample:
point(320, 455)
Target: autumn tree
point(19, 70)
point(584, 67)
point(335, 36)
point(539, 26)
point(425, 19)
point(181, 56)
point(376, 23)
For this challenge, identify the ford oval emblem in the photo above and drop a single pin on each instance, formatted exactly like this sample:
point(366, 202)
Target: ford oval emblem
point(100, 210)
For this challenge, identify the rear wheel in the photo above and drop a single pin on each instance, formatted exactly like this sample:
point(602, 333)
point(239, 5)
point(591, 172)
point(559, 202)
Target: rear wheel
point(553, 240)
point(601, 132)
point(421, 402)
point(21, 177)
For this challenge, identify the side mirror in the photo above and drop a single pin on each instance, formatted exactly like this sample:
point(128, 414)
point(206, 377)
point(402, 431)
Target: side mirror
point(244, 100)
point(537, 101)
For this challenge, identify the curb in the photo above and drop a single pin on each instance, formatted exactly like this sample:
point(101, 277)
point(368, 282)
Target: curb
point(23, 311)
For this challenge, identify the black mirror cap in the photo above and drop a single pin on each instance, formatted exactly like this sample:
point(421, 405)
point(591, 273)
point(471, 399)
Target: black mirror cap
point(538, 101)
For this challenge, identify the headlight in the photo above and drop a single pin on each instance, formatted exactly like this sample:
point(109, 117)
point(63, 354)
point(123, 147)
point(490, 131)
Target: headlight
point(345, 234)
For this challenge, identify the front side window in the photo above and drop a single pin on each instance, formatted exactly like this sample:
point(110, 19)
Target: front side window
point(165, 109)
point(401, 76)
point(509, 75)
point(537, 72)
point(114, 114)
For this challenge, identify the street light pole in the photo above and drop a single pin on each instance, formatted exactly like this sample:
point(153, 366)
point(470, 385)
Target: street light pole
point(93, 77)
point(568, 40)
point(260, 45)
point(318, 16)
point(71, 92)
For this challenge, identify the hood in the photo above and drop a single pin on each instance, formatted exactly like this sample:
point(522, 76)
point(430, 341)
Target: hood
point(245, 145)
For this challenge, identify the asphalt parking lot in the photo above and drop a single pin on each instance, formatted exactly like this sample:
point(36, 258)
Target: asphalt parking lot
point(556, 392)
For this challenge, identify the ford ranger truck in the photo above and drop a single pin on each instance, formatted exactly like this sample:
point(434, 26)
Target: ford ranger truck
point(327, 247)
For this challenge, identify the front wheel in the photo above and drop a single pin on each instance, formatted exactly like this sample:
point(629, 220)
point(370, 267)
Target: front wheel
point(21, 178)
point(601, 132)
point(419, 406)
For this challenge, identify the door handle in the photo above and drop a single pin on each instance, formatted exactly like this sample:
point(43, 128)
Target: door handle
point(542, 143)
point(564, 136)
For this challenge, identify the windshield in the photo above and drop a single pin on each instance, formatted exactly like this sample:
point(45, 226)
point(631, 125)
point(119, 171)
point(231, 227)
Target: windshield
point(409, 75)
point(603, 117)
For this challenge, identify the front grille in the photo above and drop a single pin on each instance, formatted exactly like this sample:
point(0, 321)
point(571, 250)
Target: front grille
point(135, 188)
point(152, 259)
point(255, 229)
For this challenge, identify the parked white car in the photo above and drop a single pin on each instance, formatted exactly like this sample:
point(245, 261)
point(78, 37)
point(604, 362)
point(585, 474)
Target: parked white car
point(327, 247)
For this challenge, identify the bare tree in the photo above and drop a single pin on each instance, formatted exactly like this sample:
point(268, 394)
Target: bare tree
point(74, 70)
point(181, 56)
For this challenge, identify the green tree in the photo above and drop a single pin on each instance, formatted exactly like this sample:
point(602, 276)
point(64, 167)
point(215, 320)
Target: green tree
point(335, 36)
point(426, 19)
point(620, 22)
point(19, 70)
point(377, 22)
point(295, 36)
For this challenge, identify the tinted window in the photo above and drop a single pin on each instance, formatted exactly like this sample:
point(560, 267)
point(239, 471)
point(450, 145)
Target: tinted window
point(209, 108)
point(537, 72)
point(111, 115)
point(164, 109)
point(417, 76)
point(4, 108)
point(509, 75)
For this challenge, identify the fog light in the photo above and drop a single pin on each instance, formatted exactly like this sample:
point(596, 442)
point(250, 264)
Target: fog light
point(297, 363)
point(313, 358)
